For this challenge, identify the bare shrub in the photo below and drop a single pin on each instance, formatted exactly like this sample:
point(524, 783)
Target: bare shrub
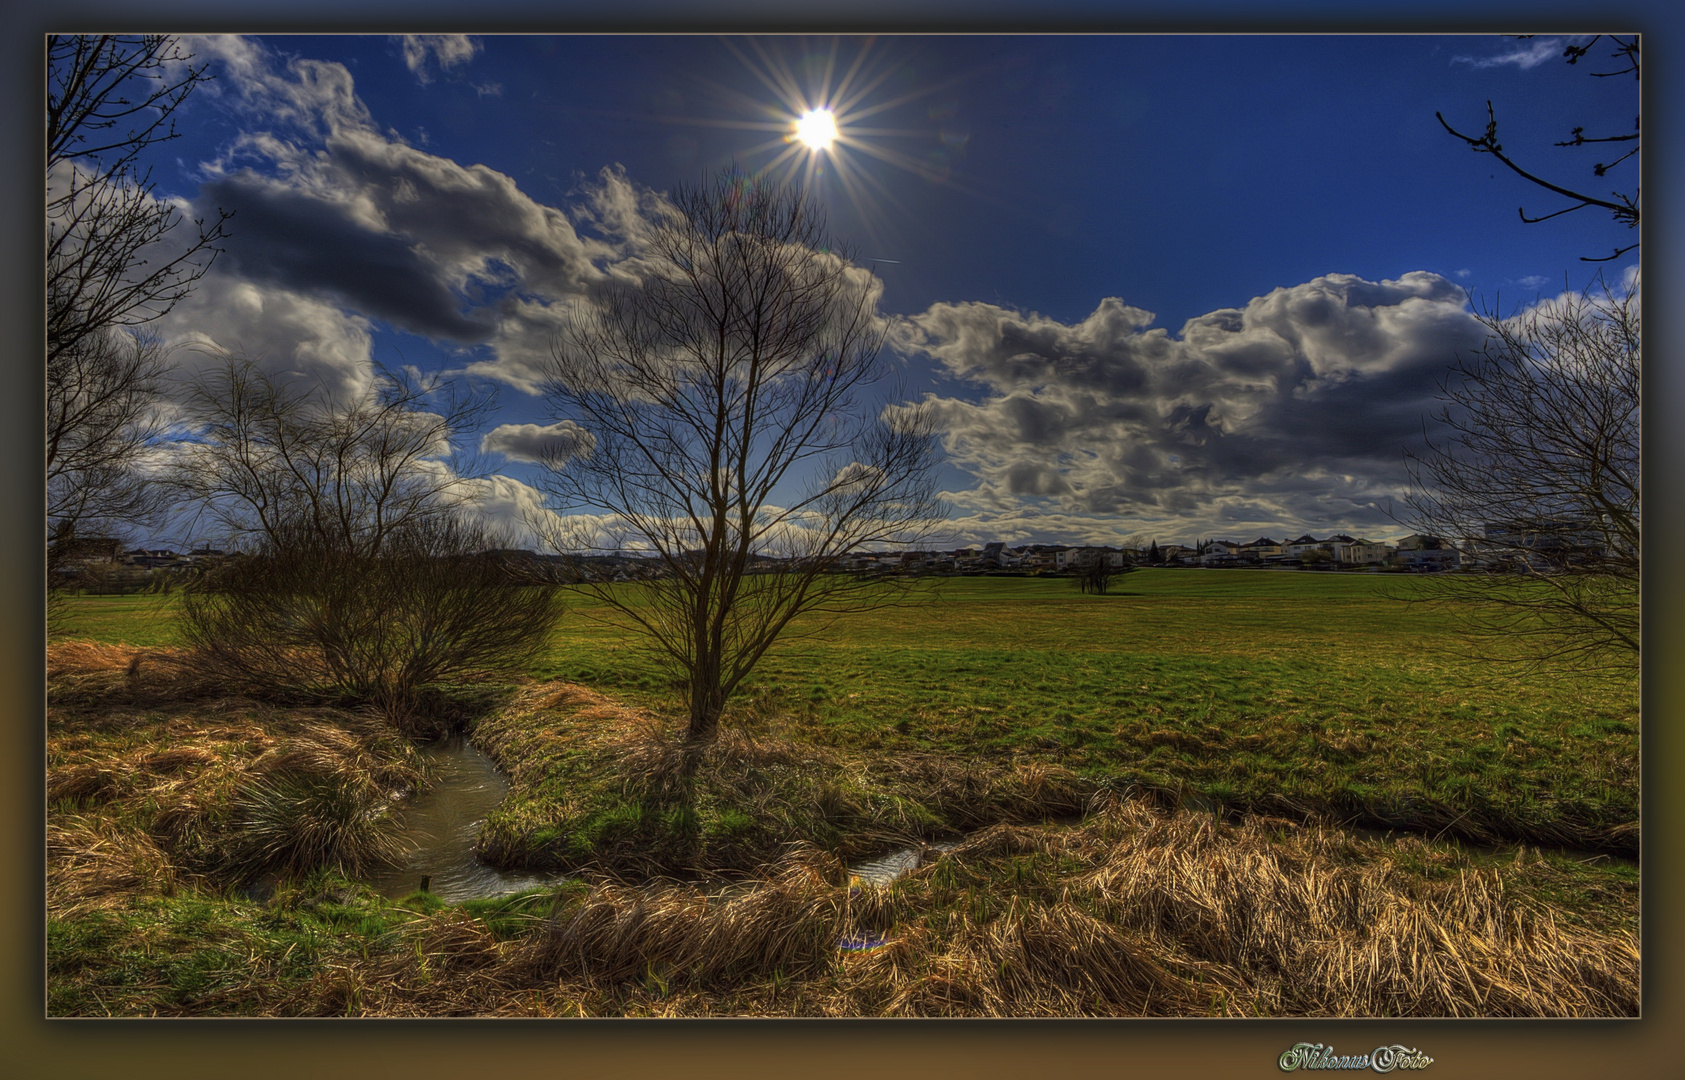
point(383, 627)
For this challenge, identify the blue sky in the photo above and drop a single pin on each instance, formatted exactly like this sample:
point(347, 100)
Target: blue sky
point(1171, 287)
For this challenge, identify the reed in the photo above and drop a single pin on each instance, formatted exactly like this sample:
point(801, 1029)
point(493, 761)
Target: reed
point(1137, 912)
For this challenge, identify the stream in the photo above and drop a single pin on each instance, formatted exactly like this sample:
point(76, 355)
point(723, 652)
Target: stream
point(439, 827)
point(440, 824)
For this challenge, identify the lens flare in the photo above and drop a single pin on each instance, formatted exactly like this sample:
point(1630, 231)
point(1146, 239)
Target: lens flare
point(817, 128)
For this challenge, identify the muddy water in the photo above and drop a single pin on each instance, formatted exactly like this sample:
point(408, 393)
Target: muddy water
point(439, 826)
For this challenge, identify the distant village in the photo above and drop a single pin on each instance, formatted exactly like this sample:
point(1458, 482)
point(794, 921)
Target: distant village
point(103, 564)
point(1337, 552)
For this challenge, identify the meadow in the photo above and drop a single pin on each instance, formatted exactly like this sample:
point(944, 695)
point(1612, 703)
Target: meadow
point(1273, 721)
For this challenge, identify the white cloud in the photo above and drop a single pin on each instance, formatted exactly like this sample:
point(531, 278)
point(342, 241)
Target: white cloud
point(282, 332)
point(555, 443)
point(447, 50)
point(338, 224)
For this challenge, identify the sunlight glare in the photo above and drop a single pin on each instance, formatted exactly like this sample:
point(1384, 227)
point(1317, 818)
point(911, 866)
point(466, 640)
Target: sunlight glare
point(817, 128)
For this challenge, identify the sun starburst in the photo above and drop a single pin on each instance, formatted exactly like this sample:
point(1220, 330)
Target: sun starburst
point(818, 122)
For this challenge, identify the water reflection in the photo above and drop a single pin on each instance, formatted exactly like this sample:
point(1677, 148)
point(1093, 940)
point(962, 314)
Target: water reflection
point(441, 824)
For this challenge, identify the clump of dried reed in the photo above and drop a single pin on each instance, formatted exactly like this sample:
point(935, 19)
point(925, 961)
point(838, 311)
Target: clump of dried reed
point(319, 797)
point(1323, 924)
point(214, 789)
point(1135, 913)
point(89, 673)
point(93, 863)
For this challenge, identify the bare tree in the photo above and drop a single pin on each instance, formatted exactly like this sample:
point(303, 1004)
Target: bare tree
point(109, 99)
point(1095, 573)
point(1623, 206)
point(360, 571)
point(728, 439)
point(114, 262)
point(270, 462)
point(1537, 480)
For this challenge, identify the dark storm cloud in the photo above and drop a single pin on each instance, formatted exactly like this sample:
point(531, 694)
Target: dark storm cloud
point(1294, 409)
point(299, 241)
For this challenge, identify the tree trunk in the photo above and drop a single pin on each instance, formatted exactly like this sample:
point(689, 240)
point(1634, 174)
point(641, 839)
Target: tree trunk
point(706, 703)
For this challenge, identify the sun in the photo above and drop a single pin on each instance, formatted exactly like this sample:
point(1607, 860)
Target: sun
point(817, 128)
point(818, 115)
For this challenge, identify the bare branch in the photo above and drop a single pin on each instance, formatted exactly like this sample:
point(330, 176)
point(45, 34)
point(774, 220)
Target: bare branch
point(1623, 207)
point(268, 460)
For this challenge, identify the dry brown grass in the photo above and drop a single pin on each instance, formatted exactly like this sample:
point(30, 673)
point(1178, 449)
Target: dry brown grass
point(93, 863)
point(1135, 913)
point(616, 790)
point(1326, 924)
point(524, 749)
point(146, 766)
point(90, 673)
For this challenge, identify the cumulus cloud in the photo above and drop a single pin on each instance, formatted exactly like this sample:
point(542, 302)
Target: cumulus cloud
point(554, 443)
point(331, 208)
point(327, 203)
point(339, 224)
point(514, 512)
point(284, 333)
point(446, 50)
point(1289, 412)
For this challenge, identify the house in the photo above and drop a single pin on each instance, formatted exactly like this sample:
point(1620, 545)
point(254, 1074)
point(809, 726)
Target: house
point(1543, 545)
point(1220, 553)
point(1075, 558)
point(1365, 553)
point(1336, 546)
point(1036, 557)
point(70, 554)
point(1418, 552)
point(1295, 549)
point(156, 558)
